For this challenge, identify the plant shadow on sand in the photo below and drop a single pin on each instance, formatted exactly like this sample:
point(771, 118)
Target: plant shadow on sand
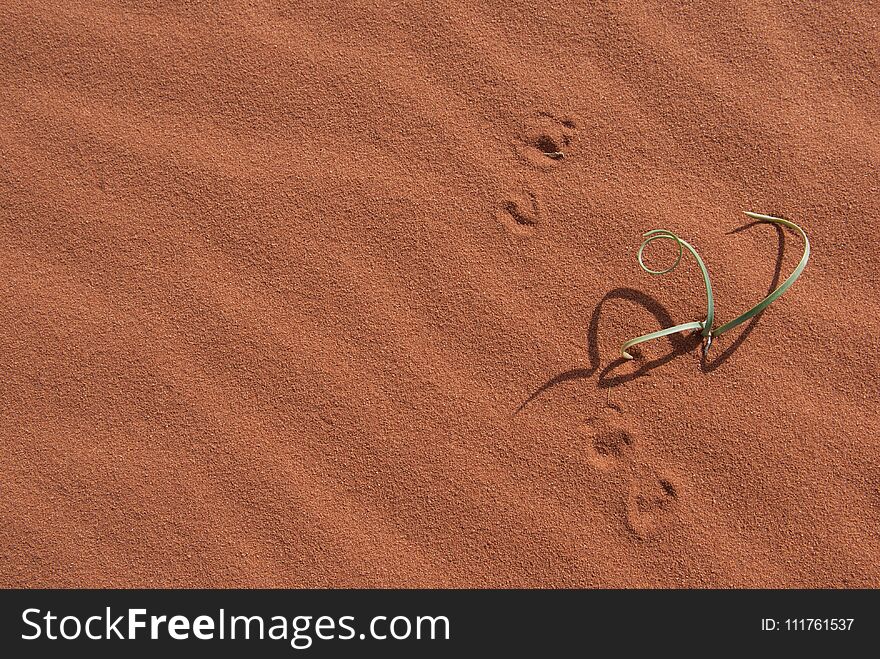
point(681, 343)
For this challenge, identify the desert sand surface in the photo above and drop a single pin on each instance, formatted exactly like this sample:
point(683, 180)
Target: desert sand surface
point(291, 295)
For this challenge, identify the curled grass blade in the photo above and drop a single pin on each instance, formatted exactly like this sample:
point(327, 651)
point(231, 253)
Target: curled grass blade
point(656, 335)
point(706, 326)
point(784, 286)
point(663, 234)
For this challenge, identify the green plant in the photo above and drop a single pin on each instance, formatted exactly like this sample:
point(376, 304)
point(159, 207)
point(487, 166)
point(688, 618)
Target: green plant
point(705, 326)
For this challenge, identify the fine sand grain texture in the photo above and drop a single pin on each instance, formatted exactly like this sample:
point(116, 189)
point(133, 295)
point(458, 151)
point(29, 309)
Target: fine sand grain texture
point(332, 294)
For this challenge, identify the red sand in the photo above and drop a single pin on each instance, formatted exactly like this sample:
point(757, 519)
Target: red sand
point(282, 289)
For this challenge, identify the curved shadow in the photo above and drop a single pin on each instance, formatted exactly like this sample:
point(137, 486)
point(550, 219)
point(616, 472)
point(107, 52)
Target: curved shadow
point(681, 343)
point(709, 366)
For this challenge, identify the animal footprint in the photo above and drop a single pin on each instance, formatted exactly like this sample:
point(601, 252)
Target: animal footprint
point(651, 496)
point(545, 141)
point(520, 213)
point(651, 504)
point(609, 441)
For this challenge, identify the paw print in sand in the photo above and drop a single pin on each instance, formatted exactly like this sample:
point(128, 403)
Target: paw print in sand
point(545, 141)
point(520, 213)
point(652, 496)
point(651, 504)
point(610, 442)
